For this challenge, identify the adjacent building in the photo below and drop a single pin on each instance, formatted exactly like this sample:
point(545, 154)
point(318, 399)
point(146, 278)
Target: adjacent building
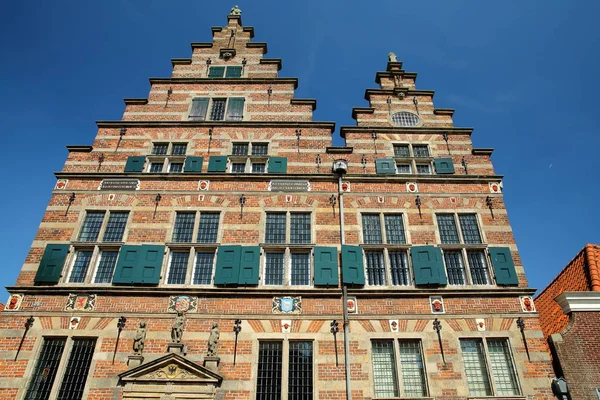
point(194, 250)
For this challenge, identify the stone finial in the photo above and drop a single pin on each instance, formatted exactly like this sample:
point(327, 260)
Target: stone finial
point(213, 340)
point(139, 339)
point(392, 57)
point(235, 11)
point(177, 328)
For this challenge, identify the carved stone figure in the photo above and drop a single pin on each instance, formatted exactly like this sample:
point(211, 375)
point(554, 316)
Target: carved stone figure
point(177, 328)
point(235, 11)
point(213, 340)
point(392, 57)
point(139, 339)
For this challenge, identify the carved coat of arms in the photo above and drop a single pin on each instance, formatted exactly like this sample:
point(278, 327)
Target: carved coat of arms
point(183, 304)
point(287, 305)
point(81, 302)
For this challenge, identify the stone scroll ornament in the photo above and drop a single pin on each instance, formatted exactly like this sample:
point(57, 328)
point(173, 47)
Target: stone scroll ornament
point(213, 340)
point(139, 339)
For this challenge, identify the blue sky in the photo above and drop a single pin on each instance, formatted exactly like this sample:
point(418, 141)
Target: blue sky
point(524, 74)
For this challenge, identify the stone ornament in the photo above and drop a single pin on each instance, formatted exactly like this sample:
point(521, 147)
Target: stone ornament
point(14, 302)
point(352, 305)
point(139, 339)
point(495, 187)
point(182, 304)
point(203, 185)
point(286, 326)
point(527, 303)
point(480, 324)
point(74, 323)
point(81, 302)
point(392, 57)
point(61, 184)
point(437, 305)
point(235, 11)
point(213, 340)
point(171, 371)
point(177, 327)
point(287, 305)
point(412, 187)
point(393, 325)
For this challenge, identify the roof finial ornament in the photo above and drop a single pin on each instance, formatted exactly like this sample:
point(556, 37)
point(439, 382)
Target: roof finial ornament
point(235, 11)
point(392, 57)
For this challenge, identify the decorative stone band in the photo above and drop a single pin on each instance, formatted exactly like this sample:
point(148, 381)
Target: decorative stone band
point(578, 301)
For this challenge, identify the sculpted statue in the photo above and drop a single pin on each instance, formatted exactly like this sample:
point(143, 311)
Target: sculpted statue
point(177, 328)
point(235, 11)
point(213, 340)
point(392, 57)
point(139, 339)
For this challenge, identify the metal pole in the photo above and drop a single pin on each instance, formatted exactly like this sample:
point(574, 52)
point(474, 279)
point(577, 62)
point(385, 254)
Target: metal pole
point(344, 296)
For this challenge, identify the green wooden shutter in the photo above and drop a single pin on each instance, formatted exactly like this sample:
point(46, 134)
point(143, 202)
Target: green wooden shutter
point(249, 265)
point(235, 109)
point(233, 72)
point(326, 266)
point(126, 270)
point(428, 267)
point(135, 164)
point(353, 272)
point(228, 265)
point(51, 265)
point(277, 165)
point(193, 164)
point(444, 166)
point(217, 164)
point(216, 72)
point(150, 264)
point(504, 267)
point(385, 166)
point(199, 109)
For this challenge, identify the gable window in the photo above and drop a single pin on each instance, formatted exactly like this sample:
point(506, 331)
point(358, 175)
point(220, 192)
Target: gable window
point(412, 157)
point(249, 157)
point(405, 118)
point(233, 71)
point(167, 157)
point(217, 109)
point(489, 367)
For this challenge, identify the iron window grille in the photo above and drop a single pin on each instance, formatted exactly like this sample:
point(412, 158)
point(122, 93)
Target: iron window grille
point(300, 378)
point(405, 118)
point(384, 370)
point(464, 264)
point(403, 378)
point(217, 111)
point(45, 369)
point(78, 366)
point(270, 362)
point(489, 367)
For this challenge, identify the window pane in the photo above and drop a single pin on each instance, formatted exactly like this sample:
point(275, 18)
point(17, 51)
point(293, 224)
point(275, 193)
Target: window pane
point(394, 229)
point(470, 230)
point(203, 268)
point(176, 167)
point(240, 149)
point(91, 226)
point(178, 268)
point(156, 167)
point(401, 150)
point(259, 168)
point(260, 149)
point(106, 266)
point(454, 267)
point(300, 381)
point(77, 370)
point(405, 118)
point(300, 269)
point(160, 149)
point(371, 229)
point(179, 149)
point(184, 227)
point(375, 268)
point(45, 369)
point(275, 232)
point(217, 112)
point(479, 269)
point(420, 150)
point(274, 269)
point(300, 228)
point(423, 169)
point(399, 268)
point(502, 368)
point(384, 374)
point(209, 227)
point(238, 167)
point(475, 368)
point(411, 366)
point(80, 267)
point(115, 227)
point(268, 382)
point(447, 227)
point(403, 168)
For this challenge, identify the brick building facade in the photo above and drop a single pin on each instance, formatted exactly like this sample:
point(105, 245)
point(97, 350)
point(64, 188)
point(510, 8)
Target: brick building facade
point(569, 309)
point(215, 197)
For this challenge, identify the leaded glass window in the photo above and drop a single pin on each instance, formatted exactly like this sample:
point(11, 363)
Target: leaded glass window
point(411, 367)
point(91, 226)
point(184, 227)
point(403, 168)
point(78, 367)
point(268, 381)
point(394, 229)
point(300, 379)
point(480, 274)
point(275, 229)
point(106, 266)
point(401, 150)
point(259, 168)
point(80, 266)
point(217, 112)
point(179, 149)
point(405, 118)
point(156, 167)
point(371, 225)
point(274, 268)
point(384, 370)
point(423, 169)
point(240, 149)
point(475, 367)
point(238, 167)
point(399, 268)
point(470, 230)
point(203, 268)
point(300, 269)
point(447, 227)
point(503, 372)
point(375, 268)
point(260, 149)
point(420, 150)
point(299, 228)
point(45, 370)
point(160, 149)
point(454, 267)
point(176, 167)
point(178, 268)
point(115, 228)
point(209, 227)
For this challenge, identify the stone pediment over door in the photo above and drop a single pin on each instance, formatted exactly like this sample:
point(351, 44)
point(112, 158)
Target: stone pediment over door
point(171, 377)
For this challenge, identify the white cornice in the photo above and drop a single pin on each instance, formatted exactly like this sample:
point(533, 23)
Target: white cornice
point(578, 301)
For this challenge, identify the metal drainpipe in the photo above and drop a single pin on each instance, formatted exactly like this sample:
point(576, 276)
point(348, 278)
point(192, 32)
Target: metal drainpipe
point(344, 294)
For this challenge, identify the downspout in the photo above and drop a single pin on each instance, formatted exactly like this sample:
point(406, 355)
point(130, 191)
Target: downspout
point(344, 294)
